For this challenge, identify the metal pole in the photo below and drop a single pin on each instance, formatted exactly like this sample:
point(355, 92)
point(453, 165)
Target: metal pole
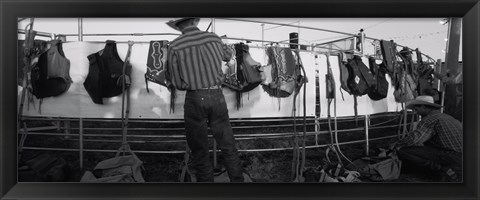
point(80, 29)
point(80, 124)
point(367, 145)
point(67, 129)
point(451, 54)
point(317, 118)
point(38, 33)
point(213, 25)
point(362, 40)
point(263, 32)
point(317, 129)
point(355, 43)
point(214, 153)
point(58, 125)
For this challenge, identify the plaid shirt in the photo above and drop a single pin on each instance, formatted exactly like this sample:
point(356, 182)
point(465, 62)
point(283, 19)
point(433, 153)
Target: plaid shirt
point(195, 58)
point(439, 130)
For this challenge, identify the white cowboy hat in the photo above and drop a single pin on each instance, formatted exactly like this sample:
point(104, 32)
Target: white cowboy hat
point(174, 23)
point(423, 100)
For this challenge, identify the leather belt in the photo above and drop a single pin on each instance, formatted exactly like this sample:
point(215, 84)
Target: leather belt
point(211, 87)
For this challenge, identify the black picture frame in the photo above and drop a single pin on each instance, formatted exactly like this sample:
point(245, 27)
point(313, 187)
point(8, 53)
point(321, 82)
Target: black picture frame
point(469, 10)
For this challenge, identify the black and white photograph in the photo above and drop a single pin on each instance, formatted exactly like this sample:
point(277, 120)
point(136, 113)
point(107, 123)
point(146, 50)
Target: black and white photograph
point(251, 100)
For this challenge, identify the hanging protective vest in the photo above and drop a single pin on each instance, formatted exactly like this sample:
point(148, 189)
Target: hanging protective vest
point(156, 63)
point(389, 52)
point(425, 82)
point(104, 77)
point(410, 66)
point(380, 90)
point(342, 60)
point(284, 72)
point(247, 68)
point(405, 89)
point(50, 76)
point(242, 73)
point(360, 79)
point(230, 72)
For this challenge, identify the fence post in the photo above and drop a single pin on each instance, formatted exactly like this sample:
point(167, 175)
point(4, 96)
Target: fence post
point(367, 144)
point(80, 126)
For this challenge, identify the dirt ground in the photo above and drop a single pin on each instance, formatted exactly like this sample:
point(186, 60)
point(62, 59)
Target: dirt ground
point(265, 166)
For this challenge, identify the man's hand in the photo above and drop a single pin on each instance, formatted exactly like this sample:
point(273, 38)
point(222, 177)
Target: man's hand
point(394, 146)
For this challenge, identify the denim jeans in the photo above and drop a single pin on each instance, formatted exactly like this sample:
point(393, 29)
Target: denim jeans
point(206, 107)
point(431, 158)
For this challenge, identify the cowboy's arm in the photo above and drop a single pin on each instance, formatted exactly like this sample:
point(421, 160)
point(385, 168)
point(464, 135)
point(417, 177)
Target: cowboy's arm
point(416, 137)
point(172, 74)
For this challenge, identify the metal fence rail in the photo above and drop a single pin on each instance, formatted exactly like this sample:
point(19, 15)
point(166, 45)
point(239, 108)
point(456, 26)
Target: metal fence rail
point(109, 134)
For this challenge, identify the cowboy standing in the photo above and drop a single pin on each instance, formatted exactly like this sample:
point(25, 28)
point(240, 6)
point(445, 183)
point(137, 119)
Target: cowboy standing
point(437, 141)
point(194, 64)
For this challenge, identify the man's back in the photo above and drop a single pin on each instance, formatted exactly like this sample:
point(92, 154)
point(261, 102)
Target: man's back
point(448, 132)
point(195, 59)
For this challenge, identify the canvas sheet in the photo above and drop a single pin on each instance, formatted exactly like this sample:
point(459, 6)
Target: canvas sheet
point(76, 102)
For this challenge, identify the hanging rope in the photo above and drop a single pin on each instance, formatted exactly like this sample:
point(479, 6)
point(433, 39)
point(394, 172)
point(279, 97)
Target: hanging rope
point(304, 116)
point(330, 83)
point(296, 152)
point(335, 112)
point(299, 165)
point(336, 130)
point(125, 100)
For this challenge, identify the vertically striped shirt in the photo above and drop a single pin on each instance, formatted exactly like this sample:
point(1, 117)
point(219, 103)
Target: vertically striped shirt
point(439, 130)
point(194, 59)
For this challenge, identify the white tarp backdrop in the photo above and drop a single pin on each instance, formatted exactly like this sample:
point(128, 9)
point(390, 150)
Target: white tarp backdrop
point(77, 103)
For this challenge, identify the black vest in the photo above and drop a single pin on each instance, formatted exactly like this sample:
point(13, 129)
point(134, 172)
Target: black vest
point(51, 62)
point(104, 73)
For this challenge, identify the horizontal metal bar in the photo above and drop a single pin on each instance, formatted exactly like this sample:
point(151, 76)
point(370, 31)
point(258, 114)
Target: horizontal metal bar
point(237, 136)
point(47, 134)
point(131, 141)
point(296, 26)
point(21, 19)
point(173, 121)
point(329, 42)
point(41, 128)
point(44, 34)
point(182, 151)
point(102, 150)
point(122, 34)
point(182, 129)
